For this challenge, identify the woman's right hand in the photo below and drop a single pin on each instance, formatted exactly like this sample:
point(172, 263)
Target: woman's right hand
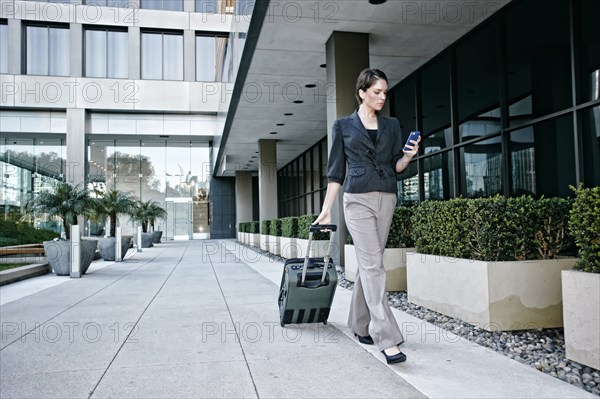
point(323, 218)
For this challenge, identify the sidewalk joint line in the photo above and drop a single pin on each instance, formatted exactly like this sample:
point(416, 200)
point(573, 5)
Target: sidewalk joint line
point(138, 320)
point(77, 303)
point(237, 333)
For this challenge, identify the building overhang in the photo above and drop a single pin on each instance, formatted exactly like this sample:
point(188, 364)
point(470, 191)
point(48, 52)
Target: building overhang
point(284, 62)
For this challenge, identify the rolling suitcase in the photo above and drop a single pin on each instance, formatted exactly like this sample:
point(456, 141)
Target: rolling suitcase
point(308, 285)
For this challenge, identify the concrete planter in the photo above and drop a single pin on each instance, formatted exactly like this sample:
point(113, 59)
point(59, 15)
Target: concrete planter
point(495, 296)
point(156, 236)
point(275, 245)
point(106, 247)
point(288, 247)
point(147, 239)
point(394, 263)
point(264, 242)
point(254, 239)
point(581, 313)
point(58, 254)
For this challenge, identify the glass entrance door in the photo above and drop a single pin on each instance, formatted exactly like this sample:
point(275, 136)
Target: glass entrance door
point(179, 219)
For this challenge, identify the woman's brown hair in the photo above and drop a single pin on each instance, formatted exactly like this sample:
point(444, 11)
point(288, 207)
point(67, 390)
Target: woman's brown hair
point(366, 79)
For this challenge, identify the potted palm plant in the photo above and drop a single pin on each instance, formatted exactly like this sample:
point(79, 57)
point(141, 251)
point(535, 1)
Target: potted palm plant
point(146, 213)
point(112, 204)
point(66, 202)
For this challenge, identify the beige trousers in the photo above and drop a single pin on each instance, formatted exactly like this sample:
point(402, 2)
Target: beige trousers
point(368, 218)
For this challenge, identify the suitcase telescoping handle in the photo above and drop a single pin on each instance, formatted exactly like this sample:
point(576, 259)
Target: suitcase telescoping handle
point(318, 227)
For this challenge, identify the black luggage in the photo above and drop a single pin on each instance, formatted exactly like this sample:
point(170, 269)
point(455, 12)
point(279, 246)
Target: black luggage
point(308, 285)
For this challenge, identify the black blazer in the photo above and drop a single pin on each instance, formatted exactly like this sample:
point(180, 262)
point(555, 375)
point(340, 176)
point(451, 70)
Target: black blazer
point(371, 167)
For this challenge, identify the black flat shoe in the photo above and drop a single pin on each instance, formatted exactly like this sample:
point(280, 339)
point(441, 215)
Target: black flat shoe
point(367, 340)
point(397, 358)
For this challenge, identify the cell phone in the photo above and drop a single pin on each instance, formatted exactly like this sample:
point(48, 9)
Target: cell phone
point(412, 136)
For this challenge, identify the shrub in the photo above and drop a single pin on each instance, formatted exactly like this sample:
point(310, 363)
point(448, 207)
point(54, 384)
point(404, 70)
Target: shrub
point(253, 227)
point(401, 230)
point(584, 225)
point(492, 229)
point(276, 227)
point(289, 227)
point(243, 227)
point(265, 227)
point(14, 233)
point(304, 223)
point(401, 234)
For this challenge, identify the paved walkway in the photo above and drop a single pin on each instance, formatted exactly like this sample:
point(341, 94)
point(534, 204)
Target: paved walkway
point(199, 319)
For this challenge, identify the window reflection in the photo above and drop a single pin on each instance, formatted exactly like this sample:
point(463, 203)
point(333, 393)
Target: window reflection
point(408, 185)
point(589, 60)
point(162, 56)
point(522, 158)
point(538, 66)
point(436, 175)
point(482, 168)
point(590, 125)
point(478, 84)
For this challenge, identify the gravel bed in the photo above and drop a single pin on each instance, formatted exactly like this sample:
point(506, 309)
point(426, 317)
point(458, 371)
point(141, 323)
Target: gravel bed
point(542, 349)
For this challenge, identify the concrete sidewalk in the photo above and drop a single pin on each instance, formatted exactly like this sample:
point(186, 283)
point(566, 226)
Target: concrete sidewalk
point(200, 319)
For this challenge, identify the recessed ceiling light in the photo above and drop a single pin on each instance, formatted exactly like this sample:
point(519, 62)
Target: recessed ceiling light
point(253, 156)
point(298, 102)
point(323, 65)
point(273, 133)
point(288, 114)
point(310, 86)
point(281, 124)
point(377, 2)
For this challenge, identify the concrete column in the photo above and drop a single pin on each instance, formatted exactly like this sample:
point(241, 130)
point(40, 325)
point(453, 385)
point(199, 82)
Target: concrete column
point(347, 54)
point(134, 52)
point(267, 179)
point(189, 55)
point(76, 50)
point(243, 197)
point(75, 145)
point(14, 47)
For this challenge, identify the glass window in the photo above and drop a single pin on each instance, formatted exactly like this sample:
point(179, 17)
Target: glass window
point(408, 185)
point(162, 56)
point(482, 168)
point(589, 87)
point(538, 64)
point(590, 129)
point(3, 48)
point(126, 165)
point(210, 58)
point(403, 106)
point(108, 3)
point(522, 160)
point(435, 95)
point(168, 5)
point(478, 85)
point(437, 176)
point(207, 6)
point(106, 54)
point(48, 50)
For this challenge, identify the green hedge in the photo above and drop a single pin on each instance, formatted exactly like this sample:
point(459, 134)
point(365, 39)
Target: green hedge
point(15, 233)
point(289, 227)
point(401, 231)
point(584, 225)
point(253, 227)
point(265, 227)
point(492, 229)
point(242, 227)
point(304, 223)
point(275, 227)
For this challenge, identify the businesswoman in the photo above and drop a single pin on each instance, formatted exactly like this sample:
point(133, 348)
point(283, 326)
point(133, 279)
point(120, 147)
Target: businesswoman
point(370, 147)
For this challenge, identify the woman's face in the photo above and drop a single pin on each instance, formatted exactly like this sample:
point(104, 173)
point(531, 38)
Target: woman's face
point(375, 95)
